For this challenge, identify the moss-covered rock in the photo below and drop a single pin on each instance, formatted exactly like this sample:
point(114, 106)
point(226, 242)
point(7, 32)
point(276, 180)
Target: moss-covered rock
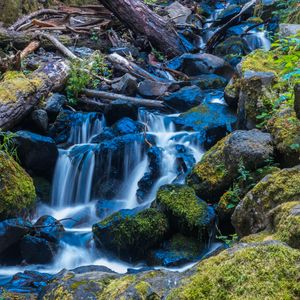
point(17, 192)
point(215, 173)
point(267, 270)
point(186, 212)
point(285, 129)
point(129, 234)
point(250, 216)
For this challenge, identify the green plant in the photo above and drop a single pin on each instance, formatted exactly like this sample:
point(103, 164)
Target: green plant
point(7, 144)
point(228, 240)
point(86, 73)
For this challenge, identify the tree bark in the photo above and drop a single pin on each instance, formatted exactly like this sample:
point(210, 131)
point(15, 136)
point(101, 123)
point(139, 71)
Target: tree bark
point(19, 93)
point(142, 20)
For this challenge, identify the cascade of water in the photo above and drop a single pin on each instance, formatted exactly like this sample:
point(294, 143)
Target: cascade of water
point(258, 40)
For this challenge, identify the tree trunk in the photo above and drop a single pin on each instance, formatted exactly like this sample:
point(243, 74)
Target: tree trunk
point(19, 93)
point(142, 20)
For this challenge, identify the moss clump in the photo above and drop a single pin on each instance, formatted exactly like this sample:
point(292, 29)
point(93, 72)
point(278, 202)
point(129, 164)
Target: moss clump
point(16, 83)
point(285, 129)
point(286, 223)
point(262, 271)
point(186, 212)
point(17, 192)
point(210, 174)
point(130, 236)
point(250, 216)
point(142, 289)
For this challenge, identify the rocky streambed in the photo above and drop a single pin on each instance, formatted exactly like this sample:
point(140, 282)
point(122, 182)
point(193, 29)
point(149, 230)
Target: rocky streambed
point(185, 187)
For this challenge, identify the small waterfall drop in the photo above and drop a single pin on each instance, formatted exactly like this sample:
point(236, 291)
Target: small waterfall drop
point(258, 40)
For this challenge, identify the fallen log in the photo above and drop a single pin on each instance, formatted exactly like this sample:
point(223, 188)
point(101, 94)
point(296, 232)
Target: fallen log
point(19, 93)
point(220, 33)
point(113, 96)
point(142, 20)
point(127, 66)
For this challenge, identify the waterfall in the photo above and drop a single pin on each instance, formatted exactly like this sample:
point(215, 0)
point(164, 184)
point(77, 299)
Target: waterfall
point(258, 40)
point(73, 175)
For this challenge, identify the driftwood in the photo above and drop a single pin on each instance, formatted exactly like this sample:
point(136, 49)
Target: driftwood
point(112, 96)
point(220, 33)
point(19, 94)
point(127, 66)
point(142, 20)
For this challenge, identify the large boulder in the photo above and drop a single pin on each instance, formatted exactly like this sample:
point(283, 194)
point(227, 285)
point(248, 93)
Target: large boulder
point(186, 212)
point(17, 192)
point(54, 105)
point(197, 64)
point(185, 98)
point(37, 153)
point(250, 216)
point(127, 126)
point(212, 120)
point(285, 129)
point(11, 231)
point(215, 173)
point(130, 234)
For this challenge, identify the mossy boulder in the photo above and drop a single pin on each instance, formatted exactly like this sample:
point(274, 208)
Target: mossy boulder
point(130, 234)
point(250, 216)
point(215, 173)
point(285, 129)
point(186, 212)
point(17, 192)
point(268, 270)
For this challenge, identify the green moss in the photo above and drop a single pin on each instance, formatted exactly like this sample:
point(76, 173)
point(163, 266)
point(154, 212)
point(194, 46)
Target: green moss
point(142, 289)
point(258, 237)
point(210, 173)
point(287, 223)
point(16, 83)
point(183, 204)
point(116, 288)
point(17, 192)
point(262, 271)
point(77, 284)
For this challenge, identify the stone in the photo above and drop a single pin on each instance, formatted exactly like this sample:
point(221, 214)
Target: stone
point(209, 81)
point(127, 85)
point(228, 13)
point(17, 192)
point(219, 166)
point(130, 234)
point(127, 126)
point(297, 100)
point(250, 216)
point(37, 153)
point(152, 89)
point(178, 12)
point(185, 98)
point(54, 105)
point(40, 119)
point(286, 30)
point(186, 212)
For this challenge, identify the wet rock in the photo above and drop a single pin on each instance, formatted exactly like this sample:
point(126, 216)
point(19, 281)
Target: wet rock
point(119, 109)
point(184, 161)
point(49, 228)
point(197, 64)
point(27, 282)
point(250, 216)
point(54, 105)
point(186, 212)
point(37, 153)
point(215, 173)
point(12, 231)
point(297, 100)
point(127, 126)
point(209, 81)
point(127, 85)
point(178, 13)
point(43, 189)
point(285, 129)
point(251, 97)
point(177, 251)
point(106, 135)
point(149, 88)
point(130, 234)
point(37, 250)
point(212, 120)
point(155, 157)
point(40, 119)
point(185, 98)
point(227, 14)
point(17, 193)
point(231, 93)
